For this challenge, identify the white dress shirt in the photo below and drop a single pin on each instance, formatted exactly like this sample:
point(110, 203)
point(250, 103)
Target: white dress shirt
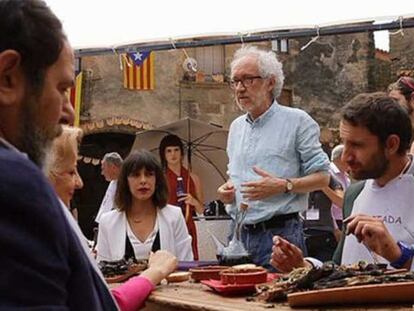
point(108, 200)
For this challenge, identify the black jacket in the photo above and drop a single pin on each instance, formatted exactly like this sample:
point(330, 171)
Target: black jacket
point(42, 263)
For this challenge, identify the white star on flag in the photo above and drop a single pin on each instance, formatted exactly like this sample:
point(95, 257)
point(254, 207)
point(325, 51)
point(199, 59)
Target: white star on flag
point(138, 56)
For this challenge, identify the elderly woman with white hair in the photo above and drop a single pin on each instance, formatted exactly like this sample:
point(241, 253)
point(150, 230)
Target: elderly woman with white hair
point(61, 165)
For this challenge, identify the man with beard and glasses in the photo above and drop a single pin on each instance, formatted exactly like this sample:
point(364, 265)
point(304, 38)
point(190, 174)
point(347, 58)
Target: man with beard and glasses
point(378, 212)
point(44, 262)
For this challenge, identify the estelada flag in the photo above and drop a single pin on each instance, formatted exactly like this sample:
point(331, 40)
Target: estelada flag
point(138, 70)
point(75, 97)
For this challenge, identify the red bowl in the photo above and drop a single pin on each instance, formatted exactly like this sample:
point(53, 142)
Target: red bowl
point(207, 272)
point(244, 276)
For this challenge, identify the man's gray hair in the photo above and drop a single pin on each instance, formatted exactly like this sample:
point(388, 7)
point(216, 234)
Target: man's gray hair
point(337, 152)
point(113, 158)
point(267, 62)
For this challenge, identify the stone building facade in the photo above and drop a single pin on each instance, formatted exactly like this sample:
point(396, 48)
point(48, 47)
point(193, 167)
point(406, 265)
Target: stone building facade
point(402, 53)
point(320, 80)
point(328, 73)
point(171, 99)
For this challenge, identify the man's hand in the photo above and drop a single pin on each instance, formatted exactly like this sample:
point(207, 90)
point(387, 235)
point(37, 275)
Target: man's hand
point(266, 186)
point(286, 256)
point(226, 192)
point(160, 265)
point(374, 234)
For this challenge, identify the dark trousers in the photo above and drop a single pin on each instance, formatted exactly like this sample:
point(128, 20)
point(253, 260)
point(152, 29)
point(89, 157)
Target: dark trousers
point(320, 244)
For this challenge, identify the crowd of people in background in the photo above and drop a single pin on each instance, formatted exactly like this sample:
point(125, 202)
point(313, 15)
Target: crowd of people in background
point(301, 207)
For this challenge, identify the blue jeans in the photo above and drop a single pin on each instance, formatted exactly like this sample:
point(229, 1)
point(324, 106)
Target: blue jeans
point(259, 242)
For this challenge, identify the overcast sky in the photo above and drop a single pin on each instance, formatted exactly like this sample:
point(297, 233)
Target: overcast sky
point(97, 23)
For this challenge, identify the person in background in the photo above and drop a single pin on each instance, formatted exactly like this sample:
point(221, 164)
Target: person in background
point(110, 168)
point(171, 153)
point(319, 225)
point(143, 222)
point(275, 157)
point(338, 169)
point(376, 132)
point(44, 261)
point(61, 165)
point(403, 91)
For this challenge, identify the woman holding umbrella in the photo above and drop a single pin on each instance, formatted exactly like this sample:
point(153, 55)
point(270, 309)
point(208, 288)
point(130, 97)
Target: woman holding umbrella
point(184, 186)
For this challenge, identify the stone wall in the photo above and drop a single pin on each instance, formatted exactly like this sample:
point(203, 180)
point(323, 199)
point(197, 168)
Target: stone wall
point(402, 53)
point(327, 73)
point(382, 76)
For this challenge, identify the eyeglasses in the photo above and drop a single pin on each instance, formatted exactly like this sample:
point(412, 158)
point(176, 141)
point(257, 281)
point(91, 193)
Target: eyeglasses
point(246, 82)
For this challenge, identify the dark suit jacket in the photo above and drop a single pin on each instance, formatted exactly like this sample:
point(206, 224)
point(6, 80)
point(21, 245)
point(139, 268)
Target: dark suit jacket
point(42, 263)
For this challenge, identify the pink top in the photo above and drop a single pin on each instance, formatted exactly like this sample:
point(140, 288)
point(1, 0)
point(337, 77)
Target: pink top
point(132, 294)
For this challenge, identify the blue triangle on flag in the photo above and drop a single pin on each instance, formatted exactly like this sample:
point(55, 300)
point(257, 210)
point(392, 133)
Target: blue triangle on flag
point(139, 57)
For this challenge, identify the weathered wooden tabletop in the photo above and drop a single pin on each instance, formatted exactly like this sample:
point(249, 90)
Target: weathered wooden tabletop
point(195, 296)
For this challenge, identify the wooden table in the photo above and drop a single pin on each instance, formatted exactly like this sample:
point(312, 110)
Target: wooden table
point(195, 296)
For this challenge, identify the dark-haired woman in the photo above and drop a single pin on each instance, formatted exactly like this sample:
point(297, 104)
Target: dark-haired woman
point(143, 222)
point(172, 154)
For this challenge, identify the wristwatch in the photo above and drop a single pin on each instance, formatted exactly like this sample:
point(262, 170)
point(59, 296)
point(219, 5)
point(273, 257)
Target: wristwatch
point(407, 253)
point(289, 186)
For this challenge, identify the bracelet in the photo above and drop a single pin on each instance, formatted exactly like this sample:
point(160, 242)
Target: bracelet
point(407, 253)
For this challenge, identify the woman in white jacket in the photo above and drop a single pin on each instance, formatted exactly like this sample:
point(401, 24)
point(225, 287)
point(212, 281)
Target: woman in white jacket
point(142, 222)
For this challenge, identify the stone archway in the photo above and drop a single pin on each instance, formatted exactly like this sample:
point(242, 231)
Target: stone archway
point(102, 136)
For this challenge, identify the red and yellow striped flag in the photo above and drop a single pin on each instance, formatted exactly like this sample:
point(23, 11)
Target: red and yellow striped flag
point(138, 71)
point(75, 97)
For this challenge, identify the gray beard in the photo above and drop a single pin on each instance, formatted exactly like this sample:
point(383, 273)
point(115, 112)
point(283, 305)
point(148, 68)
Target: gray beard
point(34, 145)
point(33, 140)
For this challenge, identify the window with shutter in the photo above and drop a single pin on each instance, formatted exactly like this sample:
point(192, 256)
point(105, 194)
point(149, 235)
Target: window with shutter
point(210, 59)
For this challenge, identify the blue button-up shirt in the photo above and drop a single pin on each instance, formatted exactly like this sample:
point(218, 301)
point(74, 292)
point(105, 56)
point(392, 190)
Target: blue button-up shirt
point(283, 141)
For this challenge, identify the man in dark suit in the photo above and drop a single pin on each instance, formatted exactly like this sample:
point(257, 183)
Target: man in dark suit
point(42, 263)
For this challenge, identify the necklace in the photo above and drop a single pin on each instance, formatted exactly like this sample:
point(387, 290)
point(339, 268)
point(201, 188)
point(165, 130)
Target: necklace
point(136, 221)
point(140, 219)
point(406, 166)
